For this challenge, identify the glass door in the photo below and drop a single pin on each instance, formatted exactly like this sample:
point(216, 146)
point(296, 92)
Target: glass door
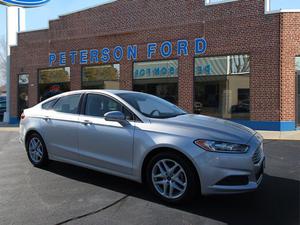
point(22, 93)
point(298, 91)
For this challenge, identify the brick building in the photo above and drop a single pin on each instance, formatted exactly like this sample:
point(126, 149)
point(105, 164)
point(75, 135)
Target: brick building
point(231, 59)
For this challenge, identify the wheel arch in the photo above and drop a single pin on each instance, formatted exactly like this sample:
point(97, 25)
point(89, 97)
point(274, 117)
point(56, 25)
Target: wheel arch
point(29, 132)
point(159, 150)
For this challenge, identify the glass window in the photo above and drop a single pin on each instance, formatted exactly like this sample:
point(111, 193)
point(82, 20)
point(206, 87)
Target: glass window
point(49, 105)
point(23, 83)
point(155, 69)
point(222, 65)
point(158, 78)
point(67, 104)
point(152, 106)
point(53, 81)
point(2, 104)
point(98, 105)
point(222, 86)
point(101, 77)
point(239, 64)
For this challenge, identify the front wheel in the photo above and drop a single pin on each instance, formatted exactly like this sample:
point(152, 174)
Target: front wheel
point(172, 178)
point(36, 150)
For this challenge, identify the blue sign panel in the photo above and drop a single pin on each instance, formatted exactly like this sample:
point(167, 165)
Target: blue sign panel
point(164, 50)
point(24, 3)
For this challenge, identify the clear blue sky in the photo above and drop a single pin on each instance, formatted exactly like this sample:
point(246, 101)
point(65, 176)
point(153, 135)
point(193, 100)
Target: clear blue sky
point(38, 18)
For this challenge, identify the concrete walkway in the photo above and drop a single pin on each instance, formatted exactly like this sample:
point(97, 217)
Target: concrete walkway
point(276, 135)
point(268, 135)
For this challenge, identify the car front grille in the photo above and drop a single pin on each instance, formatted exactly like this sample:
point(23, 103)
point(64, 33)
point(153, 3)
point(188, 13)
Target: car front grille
point(257, 155)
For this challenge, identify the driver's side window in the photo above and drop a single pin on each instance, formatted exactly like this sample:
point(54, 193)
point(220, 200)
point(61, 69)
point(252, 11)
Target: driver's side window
point(98, 105)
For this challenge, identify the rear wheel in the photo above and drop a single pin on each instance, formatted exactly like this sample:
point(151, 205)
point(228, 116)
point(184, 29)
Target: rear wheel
point(172, 178)
point(36, 150)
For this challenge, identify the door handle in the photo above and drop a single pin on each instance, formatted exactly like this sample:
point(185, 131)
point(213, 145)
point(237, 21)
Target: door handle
point(87, 122)
point(46, 118)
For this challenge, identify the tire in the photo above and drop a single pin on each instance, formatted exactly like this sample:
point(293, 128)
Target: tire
point(36, 150)
point(174, 187)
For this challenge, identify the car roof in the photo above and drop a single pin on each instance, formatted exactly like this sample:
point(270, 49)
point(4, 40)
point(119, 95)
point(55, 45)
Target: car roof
point(103, 91)
point(96, 91)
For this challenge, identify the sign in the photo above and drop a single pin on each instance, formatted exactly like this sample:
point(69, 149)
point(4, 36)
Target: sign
point(155, 69)
point(131, 52)
point(24, 3)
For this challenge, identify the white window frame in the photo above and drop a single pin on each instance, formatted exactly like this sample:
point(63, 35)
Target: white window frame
point(210, 2)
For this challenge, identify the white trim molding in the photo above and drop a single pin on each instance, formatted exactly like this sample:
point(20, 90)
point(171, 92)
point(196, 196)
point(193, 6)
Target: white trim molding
point(283, 11)
point(216, 2)
point(267, 6)
point(268, 9)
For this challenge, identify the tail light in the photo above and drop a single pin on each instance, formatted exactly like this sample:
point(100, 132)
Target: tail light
point(22, 116)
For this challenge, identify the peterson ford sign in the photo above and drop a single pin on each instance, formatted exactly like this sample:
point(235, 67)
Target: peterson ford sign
point(24, 3)
point(165, 50)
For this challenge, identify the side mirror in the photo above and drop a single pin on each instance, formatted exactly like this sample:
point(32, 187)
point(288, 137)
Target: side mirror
point(115, 116)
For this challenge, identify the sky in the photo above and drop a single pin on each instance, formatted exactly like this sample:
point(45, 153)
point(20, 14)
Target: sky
point(38, 18)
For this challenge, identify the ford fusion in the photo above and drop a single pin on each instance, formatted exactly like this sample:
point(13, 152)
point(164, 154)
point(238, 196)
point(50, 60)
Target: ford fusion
point(146, 139)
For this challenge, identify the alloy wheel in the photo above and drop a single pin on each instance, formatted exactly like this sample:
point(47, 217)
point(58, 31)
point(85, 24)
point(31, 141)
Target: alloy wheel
point(36, 150)
point(169, 178)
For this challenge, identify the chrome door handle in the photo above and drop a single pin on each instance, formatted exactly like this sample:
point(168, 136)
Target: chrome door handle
point(87, 122)
point(46, 118)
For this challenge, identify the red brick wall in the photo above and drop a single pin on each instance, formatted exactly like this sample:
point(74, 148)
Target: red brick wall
point(232, 28)
point(290, 48)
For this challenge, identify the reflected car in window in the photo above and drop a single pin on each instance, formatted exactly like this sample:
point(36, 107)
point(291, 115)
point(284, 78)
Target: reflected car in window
point(146, 139)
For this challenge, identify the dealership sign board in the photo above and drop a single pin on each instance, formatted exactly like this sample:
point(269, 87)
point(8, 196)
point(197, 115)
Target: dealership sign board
point(94, 56)
point(24, 3)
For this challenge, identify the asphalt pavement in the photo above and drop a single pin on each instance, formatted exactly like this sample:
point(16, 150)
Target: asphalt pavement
point(65, 194)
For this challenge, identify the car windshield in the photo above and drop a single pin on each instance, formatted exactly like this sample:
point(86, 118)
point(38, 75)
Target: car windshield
point(151, 106)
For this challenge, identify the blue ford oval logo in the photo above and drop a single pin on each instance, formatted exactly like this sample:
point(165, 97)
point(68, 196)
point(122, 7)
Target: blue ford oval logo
point(24, 3)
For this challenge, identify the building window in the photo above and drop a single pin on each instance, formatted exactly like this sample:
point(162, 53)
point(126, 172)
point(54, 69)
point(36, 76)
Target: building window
point(53, 81)
point(158, 78)
point(101, 77)
point(23, 83)
point(222, 86)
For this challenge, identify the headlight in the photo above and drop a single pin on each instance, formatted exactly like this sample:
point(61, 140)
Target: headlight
point(220, 146)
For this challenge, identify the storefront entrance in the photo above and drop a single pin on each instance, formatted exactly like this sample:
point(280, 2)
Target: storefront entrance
point(298, 91)
point(23, 82)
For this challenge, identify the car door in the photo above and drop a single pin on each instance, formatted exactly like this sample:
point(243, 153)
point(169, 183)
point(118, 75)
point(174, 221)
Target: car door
point(60, 127)
point(101, 143)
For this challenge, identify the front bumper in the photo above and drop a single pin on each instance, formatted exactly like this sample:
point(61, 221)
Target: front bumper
point(224, 173)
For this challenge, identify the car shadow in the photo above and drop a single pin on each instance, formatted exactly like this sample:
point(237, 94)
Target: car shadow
point(275, 202)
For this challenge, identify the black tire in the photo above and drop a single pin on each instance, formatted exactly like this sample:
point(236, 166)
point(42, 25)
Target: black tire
point(44, 159)
point(193, 184)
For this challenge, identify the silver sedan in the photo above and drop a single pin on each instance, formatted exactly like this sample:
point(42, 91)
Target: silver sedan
point(146, 139)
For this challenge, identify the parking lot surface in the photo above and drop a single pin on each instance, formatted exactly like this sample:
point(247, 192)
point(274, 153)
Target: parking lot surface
point(65, 194)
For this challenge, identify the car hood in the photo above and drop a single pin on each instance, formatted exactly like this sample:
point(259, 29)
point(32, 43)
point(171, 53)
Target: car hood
point(204, 127)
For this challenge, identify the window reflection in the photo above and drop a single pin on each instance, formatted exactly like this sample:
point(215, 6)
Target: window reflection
point(159, 78)
point(101, 77)
point(222, 86)
point(53, 81)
